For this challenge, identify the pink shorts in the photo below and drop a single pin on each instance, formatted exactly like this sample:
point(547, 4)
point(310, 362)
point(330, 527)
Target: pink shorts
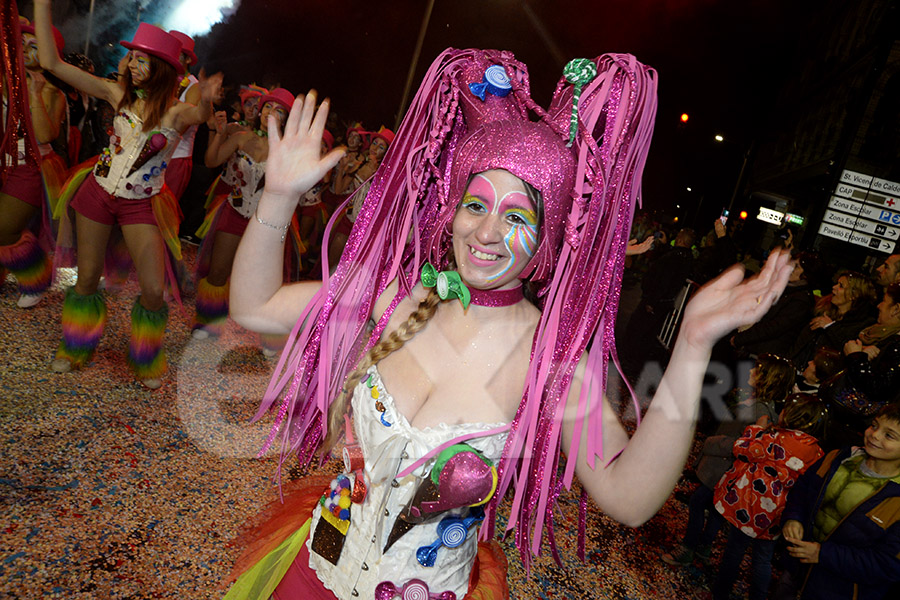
point(95, 203)
point(231, 221)
point(24, 183)
point(178, 174)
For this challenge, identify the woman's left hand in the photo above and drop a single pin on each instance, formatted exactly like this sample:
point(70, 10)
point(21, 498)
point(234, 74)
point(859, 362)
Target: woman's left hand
point(729, 301)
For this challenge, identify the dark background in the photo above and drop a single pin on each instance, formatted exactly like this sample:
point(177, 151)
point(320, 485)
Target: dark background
point(722, 62)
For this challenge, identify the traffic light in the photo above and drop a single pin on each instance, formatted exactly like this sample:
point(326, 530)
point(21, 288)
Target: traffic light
point(743, 215)
point(685, 117)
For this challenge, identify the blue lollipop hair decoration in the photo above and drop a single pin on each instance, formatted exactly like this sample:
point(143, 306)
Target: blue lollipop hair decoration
point(494, 81)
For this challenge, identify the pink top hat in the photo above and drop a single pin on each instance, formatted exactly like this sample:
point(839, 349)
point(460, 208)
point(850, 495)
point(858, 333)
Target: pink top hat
point(187, 44)
point(57, 36)
point(157, 42)
point(384, 133)
point(279, 96)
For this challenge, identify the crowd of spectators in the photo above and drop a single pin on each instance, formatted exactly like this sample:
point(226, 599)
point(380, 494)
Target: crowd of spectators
point(818, 412)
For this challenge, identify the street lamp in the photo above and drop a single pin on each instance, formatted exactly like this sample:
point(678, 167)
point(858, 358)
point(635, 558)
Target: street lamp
point(719, 138)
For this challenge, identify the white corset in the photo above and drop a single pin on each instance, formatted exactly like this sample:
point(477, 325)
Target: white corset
point(134, 163)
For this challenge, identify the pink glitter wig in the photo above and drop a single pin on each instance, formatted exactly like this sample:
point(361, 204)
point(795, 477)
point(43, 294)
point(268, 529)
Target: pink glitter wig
point(588, 193)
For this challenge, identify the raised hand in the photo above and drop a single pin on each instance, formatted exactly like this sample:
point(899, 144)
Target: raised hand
point(210, 86)
point(634, 248)
point(295, 163)
point(728, 302)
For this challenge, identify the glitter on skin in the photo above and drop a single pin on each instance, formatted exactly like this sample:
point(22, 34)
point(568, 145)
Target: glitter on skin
point(517, 211)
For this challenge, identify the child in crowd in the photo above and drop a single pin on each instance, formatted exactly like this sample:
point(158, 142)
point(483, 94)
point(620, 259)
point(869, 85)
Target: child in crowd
point(771, 380)
point(752, 494)
point(842, 520)
point(825, 364)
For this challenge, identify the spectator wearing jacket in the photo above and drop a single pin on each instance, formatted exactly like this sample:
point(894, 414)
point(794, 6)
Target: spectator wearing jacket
point(842, 520)
point(752, 494)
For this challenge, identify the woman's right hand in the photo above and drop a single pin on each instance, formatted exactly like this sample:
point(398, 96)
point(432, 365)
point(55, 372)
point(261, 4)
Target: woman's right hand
point(295, 163)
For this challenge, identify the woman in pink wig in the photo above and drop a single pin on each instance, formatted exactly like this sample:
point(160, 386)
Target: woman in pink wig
point(461, 345)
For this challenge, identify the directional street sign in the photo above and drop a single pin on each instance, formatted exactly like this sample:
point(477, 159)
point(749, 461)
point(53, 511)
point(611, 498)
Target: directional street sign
point(846, 190)
point(869, 182)
point(865, 211)
point(854, 237)
point(851, 222)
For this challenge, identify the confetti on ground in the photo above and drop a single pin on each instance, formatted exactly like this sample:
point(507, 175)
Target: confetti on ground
point(109, 490)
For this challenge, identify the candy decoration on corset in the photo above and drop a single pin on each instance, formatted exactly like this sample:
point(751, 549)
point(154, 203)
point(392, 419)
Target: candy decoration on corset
point(379, 405)
point(464, 478)
point(155, 143)
point(461, 476)
point(354, 462)
point(452, 532)
point(331, 532)
point(102, 168)
point(414, 589)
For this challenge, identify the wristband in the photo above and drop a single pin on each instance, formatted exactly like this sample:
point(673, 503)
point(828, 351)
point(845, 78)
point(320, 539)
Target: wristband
point(282, 228)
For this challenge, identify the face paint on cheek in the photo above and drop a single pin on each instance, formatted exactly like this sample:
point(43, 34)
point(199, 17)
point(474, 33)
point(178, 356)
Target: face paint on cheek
point(141, 69)
point(31, 54)
point(520, 242)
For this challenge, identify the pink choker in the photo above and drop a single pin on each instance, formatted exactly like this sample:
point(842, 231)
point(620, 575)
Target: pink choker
point(496, 298)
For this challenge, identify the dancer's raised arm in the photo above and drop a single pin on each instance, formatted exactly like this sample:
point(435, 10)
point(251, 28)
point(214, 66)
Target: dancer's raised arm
point(50, 60)
point(187, 114)
point(635, 485)
point(259, 300)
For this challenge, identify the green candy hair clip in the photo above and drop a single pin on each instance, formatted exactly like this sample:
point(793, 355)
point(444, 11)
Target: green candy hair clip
point(579, 72)
point(447, 283)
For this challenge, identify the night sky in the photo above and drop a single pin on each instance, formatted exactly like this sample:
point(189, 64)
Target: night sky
point(722, 62)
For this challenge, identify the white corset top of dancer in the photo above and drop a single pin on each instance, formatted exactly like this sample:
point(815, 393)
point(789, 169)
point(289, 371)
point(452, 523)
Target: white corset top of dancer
point(134, 163)
point(388, 450)
point(247, 179)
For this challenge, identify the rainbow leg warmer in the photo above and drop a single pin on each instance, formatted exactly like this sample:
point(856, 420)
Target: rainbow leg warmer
point(83, 318)
point(29, 263)
point(212, 307)
point(145, 352)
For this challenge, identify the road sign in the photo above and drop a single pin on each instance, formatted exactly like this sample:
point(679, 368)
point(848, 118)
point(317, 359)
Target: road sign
point(883, 187)
point(852, 222)
point(865, 211)
point(855, 237)
point(845, 190)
